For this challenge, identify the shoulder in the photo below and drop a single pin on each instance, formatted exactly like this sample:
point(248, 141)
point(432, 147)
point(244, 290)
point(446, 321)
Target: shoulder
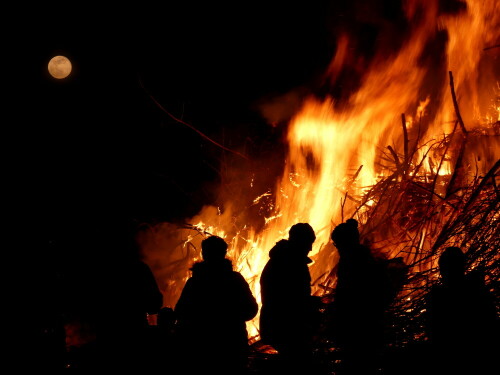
point(238, 278)
point(279, 248)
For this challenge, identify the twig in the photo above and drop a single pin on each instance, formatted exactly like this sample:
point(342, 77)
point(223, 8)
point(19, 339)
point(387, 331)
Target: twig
point(455, 105)
point(491, 174)
point(189, 125)
point(491, 47)
point(405, 137)
point(395, 156)
point(457, 167)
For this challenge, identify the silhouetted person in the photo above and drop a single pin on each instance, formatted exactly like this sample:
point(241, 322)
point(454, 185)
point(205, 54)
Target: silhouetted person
point(212, 311)
point(133, 294)
point(288, 314)
point(361, 296)
point(462, 324)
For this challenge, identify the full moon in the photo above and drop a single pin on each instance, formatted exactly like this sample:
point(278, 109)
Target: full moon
point(59, 67)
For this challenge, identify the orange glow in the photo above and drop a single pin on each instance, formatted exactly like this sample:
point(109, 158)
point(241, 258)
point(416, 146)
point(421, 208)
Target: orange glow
point(333, 152)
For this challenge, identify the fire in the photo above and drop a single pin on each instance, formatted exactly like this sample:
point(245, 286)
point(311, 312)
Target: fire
point(338, 151)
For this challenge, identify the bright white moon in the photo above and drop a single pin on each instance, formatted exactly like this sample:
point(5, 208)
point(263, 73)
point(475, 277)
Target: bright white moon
point(59, 67)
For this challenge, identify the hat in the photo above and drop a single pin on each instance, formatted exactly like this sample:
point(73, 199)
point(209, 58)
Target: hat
point(302, 232)
point(346, 232)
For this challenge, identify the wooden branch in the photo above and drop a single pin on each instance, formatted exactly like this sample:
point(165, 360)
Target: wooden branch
point(491, 47)
point(189, 125)
point(455, 105)
point(405, 143)
point(490, 175)
point(458, 167)
point(395, 156)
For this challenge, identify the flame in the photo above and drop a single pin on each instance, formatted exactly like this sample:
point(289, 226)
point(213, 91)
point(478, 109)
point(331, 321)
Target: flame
point(334, 149)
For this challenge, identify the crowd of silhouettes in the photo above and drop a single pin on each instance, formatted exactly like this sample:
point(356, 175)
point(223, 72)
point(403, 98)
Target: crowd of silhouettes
point(206, 331)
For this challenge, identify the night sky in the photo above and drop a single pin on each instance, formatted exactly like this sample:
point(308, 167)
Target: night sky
point(96, 143)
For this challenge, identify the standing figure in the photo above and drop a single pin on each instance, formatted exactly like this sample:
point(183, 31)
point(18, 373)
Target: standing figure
point(212, 311)
point(133, 294)
point(359, 302)
point(288, 319)
point(462, 325)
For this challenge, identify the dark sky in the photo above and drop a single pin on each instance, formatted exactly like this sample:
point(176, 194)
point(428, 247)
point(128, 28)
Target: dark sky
point(96, 141)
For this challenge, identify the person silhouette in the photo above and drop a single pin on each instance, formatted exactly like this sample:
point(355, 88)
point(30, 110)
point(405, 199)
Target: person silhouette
point(288, 318)
point(133, 295)
point(212, 311)
point(461, 321)
point(360, 298)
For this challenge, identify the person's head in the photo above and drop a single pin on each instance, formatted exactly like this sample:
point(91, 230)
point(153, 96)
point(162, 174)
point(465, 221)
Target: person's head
point(346, 234)
point(213, 248)
point(302, 234)
point(452, 264)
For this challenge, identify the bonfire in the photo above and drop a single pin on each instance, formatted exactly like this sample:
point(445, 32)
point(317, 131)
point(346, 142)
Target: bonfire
point(418, 167)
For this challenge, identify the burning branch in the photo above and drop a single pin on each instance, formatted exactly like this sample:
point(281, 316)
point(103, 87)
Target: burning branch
point(455, 105)
point(405, 143)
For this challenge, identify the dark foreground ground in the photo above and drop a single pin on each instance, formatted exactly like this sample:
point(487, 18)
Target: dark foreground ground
point(78, 349)
point(86, 356)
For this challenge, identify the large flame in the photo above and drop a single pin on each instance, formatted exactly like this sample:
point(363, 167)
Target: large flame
point(334, 150)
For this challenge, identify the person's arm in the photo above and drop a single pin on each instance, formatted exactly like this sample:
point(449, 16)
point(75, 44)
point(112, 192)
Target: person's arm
point(183, 307)
point(248, 303)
